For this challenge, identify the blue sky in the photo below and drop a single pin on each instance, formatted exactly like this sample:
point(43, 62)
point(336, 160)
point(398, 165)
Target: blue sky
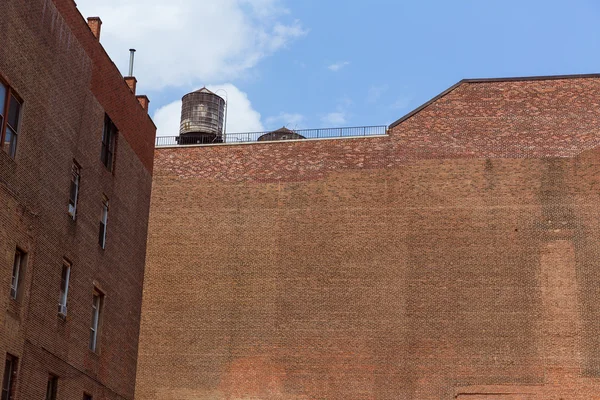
point(321, 63)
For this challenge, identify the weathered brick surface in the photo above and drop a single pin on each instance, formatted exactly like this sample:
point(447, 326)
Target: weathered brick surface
point(67, 85)
point(110, 88)
point(455, 258)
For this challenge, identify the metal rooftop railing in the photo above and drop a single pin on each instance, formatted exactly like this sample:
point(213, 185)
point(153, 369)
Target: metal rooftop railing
point(248, 137)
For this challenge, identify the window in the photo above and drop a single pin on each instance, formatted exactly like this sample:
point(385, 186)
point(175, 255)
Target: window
point(97, 301)
point(17, 274)
point(10, 370)
point(103, 221)
point(74, 192)
point(64, 288)
point(109, 136)
point(87, 396)
point(10, 116)
point(51, 387)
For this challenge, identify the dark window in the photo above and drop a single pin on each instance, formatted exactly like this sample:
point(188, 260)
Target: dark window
point(17, 274)
point(10, 116)
point(103, 222)
point(109, 136)
point(51, 387)
point(87, 396)
point(10, 370)
point(74, 191)
point(97, 301)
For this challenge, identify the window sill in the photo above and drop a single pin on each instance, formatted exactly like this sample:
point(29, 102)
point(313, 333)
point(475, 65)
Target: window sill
point(64, 317)
point(14, 308)
point(94, 354)
point(7, 161)
point(106, 170)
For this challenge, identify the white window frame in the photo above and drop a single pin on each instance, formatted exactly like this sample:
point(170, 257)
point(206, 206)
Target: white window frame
point(104, 222)
point(97, 303)
point(18, 266)
point(64, 288)
point(73, 197)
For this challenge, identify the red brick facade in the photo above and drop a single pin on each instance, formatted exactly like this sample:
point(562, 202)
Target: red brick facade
point(456, 257)
point(67, 83)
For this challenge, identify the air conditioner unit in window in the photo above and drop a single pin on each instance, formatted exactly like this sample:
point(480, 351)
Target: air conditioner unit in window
point(72, 210)
point(62, 310)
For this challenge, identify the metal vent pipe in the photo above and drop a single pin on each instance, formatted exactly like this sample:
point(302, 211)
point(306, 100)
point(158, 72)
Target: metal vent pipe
point(131, 56)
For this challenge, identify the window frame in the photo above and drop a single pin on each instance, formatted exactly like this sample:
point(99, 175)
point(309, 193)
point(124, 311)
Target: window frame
point(109, 138)
point(52, 387)
point(19, 268)
point(4, 119)
point(97, 309)
point(9, 377)
point(64, 288)
point(103, 222)
point(74, 189)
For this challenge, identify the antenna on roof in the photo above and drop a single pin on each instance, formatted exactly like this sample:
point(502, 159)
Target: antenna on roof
point(131, 56)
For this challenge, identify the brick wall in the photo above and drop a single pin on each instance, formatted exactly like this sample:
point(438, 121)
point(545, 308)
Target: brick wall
point(67, 83)
point(455, 258)
point(111, 90)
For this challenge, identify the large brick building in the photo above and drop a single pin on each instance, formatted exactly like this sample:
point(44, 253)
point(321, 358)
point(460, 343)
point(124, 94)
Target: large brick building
point(455, 256)
point(75, 180)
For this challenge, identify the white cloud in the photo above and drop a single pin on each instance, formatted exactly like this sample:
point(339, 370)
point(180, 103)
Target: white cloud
point(183, 43)
point(345, 102)
point(241, 117)
point(167, 119)
point(337, 66)
point(334, 119)
point(266, 8)
point(290, 120)
point(375, 93)
point(283, 33)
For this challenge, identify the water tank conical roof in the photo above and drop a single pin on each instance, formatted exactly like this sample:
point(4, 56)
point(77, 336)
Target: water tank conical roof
point(282, 133)
point(203, 90)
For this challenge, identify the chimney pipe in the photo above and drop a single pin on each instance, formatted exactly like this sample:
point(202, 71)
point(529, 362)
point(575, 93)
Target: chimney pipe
point(131, 56)
point(95, 23)
point(131, 82)
point(144, 101)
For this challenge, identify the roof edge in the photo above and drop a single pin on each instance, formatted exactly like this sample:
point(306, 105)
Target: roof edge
point(532, 78)
point(425, 105)
point(486, 80)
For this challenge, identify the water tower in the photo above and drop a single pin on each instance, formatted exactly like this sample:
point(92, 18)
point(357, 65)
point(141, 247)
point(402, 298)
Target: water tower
point(202, 118)
point(280, 134)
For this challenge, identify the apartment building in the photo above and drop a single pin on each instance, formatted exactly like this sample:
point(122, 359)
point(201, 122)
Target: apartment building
point(75, 180)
